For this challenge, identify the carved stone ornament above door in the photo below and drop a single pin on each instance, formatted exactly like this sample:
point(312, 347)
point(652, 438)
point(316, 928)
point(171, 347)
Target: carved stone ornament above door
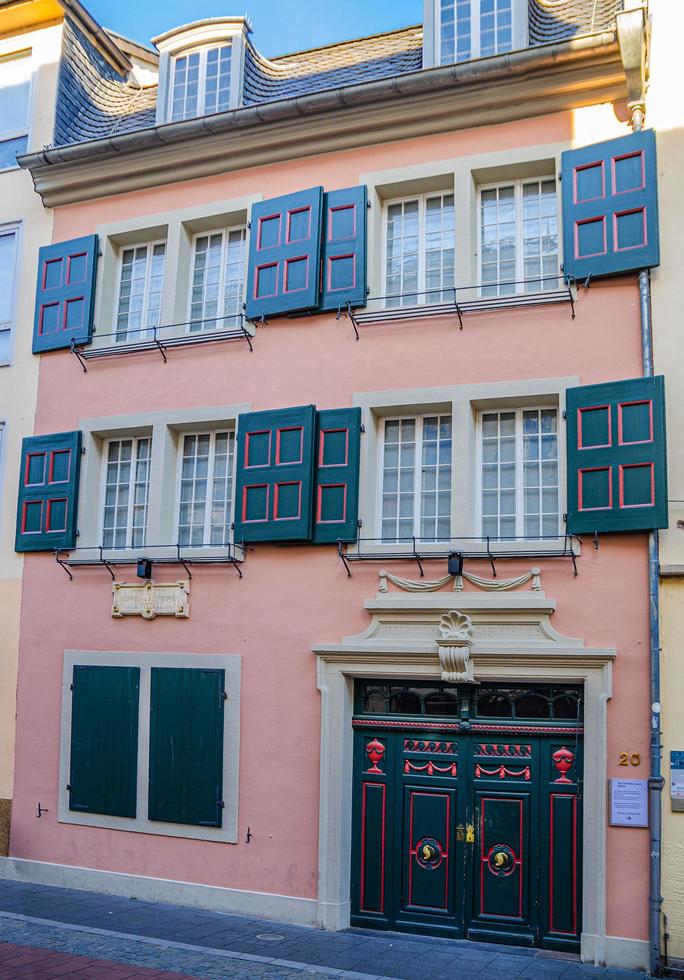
point(459, 631)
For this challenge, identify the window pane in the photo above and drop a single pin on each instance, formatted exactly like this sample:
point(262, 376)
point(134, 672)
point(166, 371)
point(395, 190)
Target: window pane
point(140, 291)
point(217, 84)
point(127, 478)
point(15, 88)
point(540, 472)
point(540, 235)
point(498, 474)
point(10, 150)
point(8, 259)
point(206, 489)
point(435, 504)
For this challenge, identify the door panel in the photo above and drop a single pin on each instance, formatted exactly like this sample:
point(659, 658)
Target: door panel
point(502, 862)
point(463, 833)
point(428, 821)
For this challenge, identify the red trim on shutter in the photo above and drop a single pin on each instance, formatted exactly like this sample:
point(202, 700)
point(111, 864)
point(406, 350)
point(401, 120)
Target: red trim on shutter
point(27, 468)
point(248, 435)
point(268, 217)
point(634, 466)
point(319, 503)
point(629, 156)
point(594, 469)
point(61, 452)
point(32, 503)
point(591, 221)
point(589, 166)
point(321, 446)
point(253, 520)
point(48, 516)
point(637, 442)
point(623, 214)
point(302, 238)
point(595, 408)
point(289, 462)
point(287, 483)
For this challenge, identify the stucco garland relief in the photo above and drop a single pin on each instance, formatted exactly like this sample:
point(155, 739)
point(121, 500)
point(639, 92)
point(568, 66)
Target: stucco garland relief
point(486, 584)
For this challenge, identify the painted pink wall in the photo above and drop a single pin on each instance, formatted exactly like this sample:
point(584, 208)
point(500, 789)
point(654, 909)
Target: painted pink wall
point(291, 598)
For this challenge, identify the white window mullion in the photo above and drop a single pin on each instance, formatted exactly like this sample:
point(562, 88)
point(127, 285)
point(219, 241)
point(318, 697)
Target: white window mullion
point(519, 483)
point(417, 479)
point(209, 500)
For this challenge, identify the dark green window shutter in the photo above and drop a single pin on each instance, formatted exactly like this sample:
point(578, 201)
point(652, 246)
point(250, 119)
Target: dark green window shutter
point(336, 490)
point(610, 206)
point(617, 466)
point(284, 254)
point(186, 746)
point(65, 294)
point(274, 475)
point(343, 277)
point(104, 740)
point(48, 492)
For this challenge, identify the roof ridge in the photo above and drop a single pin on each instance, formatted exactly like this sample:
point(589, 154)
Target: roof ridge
point(339, 44)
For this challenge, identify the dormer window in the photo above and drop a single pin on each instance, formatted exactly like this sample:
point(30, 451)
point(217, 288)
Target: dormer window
point(200, 68)
point(461, 30)
point(201, 82)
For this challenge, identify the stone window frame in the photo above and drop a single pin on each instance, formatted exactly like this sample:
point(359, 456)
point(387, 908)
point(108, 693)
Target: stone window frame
point(178, 229)
point(464, 403)
point(231, 664)
point(462, 176)
point(17, 229)
point(166, 429)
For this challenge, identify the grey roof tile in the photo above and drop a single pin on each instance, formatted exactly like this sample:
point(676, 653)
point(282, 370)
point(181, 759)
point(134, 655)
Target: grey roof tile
point(94, 101)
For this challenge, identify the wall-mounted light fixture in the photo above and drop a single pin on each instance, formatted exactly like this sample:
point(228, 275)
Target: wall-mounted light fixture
point(455, 563)
point(144, 568)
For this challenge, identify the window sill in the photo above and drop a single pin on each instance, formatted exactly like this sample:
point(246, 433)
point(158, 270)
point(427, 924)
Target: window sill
point(466, 300)
point(110, 558)
point(408, 549)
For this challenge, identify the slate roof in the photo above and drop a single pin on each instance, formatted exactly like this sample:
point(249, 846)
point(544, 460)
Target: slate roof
point(94, 101)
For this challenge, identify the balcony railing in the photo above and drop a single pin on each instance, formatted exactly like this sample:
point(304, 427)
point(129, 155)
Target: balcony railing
point(461, 300)
point(485, 547)
point(228, 553)
point(166, 337)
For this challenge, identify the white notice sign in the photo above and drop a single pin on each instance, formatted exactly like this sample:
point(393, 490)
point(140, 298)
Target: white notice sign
point(628, 802)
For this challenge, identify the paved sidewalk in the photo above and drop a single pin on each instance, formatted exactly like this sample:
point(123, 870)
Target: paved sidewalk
point(49, 932)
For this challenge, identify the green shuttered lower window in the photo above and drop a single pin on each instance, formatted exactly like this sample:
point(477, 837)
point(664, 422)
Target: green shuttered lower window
point(617, 466)
point(104, 740)
point(186, 746)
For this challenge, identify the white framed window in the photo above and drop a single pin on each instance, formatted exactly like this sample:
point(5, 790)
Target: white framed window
point(415, 478)
point(206, 488)
point(419, 249)
point(200, 82)
point(126, 492)
point(15, 105)
point(141, 278)
point(9, 250)
point(519, 473)
point(218, 276)
point(467, 29)
point(518, 236)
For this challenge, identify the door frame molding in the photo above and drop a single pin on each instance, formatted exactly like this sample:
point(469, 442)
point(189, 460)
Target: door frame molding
point(512, 640)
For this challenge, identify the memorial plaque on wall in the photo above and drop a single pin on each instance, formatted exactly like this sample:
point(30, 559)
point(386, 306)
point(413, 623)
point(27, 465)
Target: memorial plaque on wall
point(151, 599)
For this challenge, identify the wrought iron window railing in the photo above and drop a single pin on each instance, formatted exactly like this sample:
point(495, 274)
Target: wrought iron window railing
point(461, 300)
point(166, 554)
point(166, 337)
point(491, 549)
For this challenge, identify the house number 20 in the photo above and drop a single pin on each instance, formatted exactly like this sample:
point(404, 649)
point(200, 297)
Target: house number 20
point(630, 759)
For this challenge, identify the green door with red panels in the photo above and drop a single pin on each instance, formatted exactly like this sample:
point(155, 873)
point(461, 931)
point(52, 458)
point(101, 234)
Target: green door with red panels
point(467, 815)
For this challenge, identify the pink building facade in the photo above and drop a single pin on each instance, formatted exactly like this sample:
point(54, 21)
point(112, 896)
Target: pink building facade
point(408, 703)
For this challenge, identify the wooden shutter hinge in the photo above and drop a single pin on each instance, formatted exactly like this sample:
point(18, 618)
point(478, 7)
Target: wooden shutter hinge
point(362, 428)
point(71, 687)
point(564, 415)
point(359, 523)
point(68, 786)
point(221, 805)
point(223, 696)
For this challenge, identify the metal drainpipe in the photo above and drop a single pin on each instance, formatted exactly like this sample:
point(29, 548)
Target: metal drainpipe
point(655, 783)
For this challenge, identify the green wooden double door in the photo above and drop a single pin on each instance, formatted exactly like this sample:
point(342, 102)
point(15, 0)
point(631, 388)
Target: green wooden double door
point(468, 830)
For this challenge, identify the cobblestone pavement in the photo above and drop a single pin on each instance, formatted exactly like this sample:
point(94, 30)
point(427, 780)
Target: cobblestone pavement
point(57, 932)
